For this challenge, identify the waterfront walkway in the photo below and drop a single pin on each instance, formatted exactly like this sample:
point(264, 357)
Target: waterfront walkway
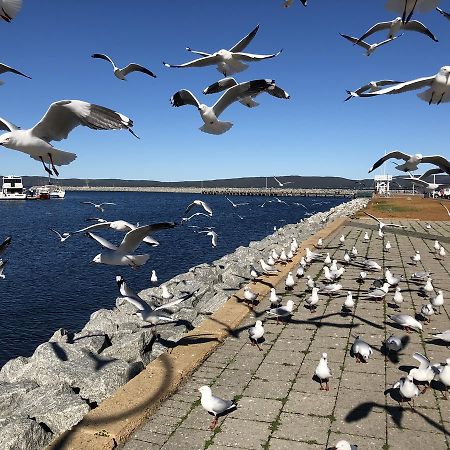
point(281, 406)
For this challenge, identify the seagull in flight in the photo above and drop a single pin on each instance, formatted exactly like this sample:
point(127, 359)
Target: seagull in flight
point(123, 255)
point(187, 219)
point(122, 73)
point(201, 203)
point(60, 119)
point(228, 62)
point(236, 205)
point(372, 86)
point(381, 224)
point(277, 200)
point(249, 101)
point(9, 9)
point(394, 26)
point(62, 236)
point(443, 13)
point(210, 114)
point(407, 7)
point(412, 161)
point(4, 69)
point(370, 48)
point(5, 244)
point(430, 187)
point(213, 235)
point(98, 206)
point(438, 92)
point(282, 184)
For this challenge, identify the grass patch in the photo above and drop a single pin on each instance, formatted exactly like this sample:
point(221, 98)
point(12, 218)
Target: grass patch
point(386, 207)
point(275, 425)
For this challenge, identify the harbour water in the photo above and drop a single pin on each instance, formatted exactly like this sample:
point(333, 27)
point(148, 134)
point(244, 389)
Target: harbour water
point(51, 285)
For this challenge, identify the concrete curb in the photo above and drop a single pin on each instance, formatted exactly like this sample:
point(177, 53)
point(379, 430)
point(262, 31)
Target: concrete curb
point(116, 418)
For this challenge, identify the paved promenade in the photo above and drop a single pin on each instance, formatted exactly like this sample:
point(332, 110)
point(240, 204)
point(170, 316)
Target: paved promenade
point(281, 406)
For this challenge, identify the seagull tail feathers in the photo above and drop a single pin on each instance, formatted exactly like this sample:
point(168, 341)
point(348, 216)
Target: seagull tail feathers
point(216, 128)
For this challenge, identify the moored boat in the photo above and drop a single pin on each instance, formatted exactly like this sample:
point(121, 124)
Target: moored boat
point(12, 189)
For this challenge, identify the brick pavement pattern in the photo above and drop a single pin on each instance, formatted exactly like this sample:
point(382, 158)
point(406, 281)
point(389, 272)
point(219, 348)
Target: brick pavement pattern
point(280, 404)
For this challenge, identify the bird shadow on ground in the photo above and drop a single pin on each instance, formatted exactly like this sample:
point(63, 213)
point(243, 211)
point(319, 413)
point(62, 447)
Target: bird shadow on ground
point(187, 340)
point(396, 412)
point(438, 342)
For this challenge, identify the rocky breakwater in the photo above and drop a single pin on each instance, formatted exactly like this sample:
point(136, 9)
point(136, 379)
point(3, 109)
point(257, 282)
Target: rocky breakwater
point(48, 393)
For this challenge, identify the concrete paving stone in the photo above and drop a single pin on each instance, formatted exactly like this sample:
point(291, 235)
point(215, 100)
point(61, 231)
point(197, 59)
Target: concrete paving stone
point(397, 439)
point(223, 447)
point(208, 372)
point(151, 437)
point(418, 420)
point(313, 430)
point(268, 371)
point(235, 377)
point(267, 389)
point(321, 404)
point(361, 419)
point(363, 442)
point(195, 439)
point(134, 444)
point(249, 363)
point(283, 444)
point(372, 366)
point(374, 382)
point(160, 424)
point(261, 409)
point(284, 357)
point(241, 433)
point(197, 419)
point(167, 410)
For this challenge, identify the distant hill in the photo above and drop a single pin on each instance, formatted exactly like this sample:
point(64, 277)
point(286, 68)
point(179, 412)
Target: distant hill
point(298, 182)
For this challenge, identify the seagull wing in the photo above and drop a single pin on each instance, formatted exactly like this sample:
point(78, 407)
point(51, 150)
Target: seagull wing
point(124, 289)
point(7, 126)
point(184, 97)
point(439, 161)
point(388, 40)
point(370, 215)
point(220, 85)
point(189, 49)
point(430, 172)
point(133, 238)
point(56, 232)
point(423, 360)
point(138, 303)
point(276, 91)
point(446, 15)
point(377, 27)
point(387, 82)
point(133, 67)
point(4, 68)
point(200, 62)
point(5, 244)
point(403, 87)
point(448, 212)
point(415, 25)
point(219, 405)
point(235, 93)
point(253, 57)
point(243, 43)
point(106, 203)
point(96, 226)
point(102, 241)
point(230, 201)
point(356, 41)
point(394, 154)
point(9, 9)
point(63, 116)
point(102, 56)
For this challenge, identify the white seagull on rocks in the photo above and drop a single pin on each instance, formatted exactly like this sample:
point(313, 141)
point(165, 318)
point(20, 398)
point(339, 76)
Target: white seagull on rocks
point(9, 9)
point(210, 114)
point(412, 161)
point(267, 270)
point(394, 26)
point(122, 73)
point(370, 48)
point(214, 405)
point(275, 301)
point(123, 255)
point(323, 372)
point(154, 278)
point(438, 92)
point(249, 101)
point(372, 86)
point(407, 7)
point(228, 62)
point(249, 295)
point(60, 119)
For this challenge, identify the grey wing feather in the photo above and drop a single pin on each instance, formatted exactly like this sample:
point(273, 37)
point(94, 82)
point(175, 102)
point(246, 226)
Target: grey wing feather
point(439, 161)
point(219, 405)
point(431, 172)
point(4, 68)
point(220, 85)
point(103, 242)
point(133, 238)
point(184, 97)
point(356, 41)
point(403, 87)
point(7, 126)
point(415, 25)
point(93, 227)
point(200, 62)
point(276, 91)
point(138, 303)
point(395, 154)
point(377, 27)
point(102, 56)
point(243, 43)
point(241, 90)
point(253, 57)
point(133, 67)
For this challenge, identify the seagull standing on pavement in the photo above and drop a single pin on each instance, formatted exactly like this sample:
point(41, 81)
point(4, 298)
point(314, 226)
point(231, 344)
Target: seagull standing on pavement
point(255, 333)
point(361, 350)
point(282, 312)
point(408, 390)
point(398, 298)
point(313, 299)
point(438, 301)
point(214, 405)
point(323, 372)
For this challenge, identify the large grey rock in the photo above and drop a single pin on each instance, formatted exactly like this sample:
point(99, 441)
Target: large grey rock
point(13, 368)
point(22, 434)
point(130, 347)
point(208, 305)
point(55, 406)
point(12, 396)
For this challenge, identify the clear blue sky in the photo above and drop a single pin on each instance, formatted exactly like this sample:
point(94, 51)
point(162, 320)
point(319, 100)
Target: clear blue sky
point(314, 133)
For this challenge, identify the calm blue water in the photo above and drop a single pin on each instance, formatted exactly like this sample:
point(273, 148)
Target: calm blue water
point(51, 285)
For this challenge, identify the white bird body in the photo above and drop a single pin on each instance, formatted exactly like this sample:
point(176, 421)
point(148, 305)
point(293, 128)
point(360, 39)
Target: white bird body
point(334, 265)
point(349, 302)
point(275, 255)
point(391, 279)
point(361, 349)
point(442, 252)
point(445, 336)
point(283, 256)
point(342, 240)
point(333, 275)
point(379, 293)
point(347, 257)
point(267, 269)
point(166, 295)
point(423, 373)
point(366, 236)
point(282, 311)
point(442, 373)
point(416, 257)
point(154, 277)
point(327, 260)
point(388, 246)
point(290, 255)
point(407, 322)
point(323, 372)
point(344, 445)
point(303, 262)
point(313, 299)
point(427, 311)
point(2, 268)
point(310, 282)
point(370, 48)
point(290, 282)
point(300, 272)
point(319, 243)
point(249, 295)
point(256, 332)
point(407, 387)
point(398, 297)
point(428, 288)
point(438, 301)
point(270, 261)
point(214, 405)
point(122, 73)
point(331, 288)
point(371, 265)
point(354, 252)
point(312, 255)
point(273, 298)
point(362, 276)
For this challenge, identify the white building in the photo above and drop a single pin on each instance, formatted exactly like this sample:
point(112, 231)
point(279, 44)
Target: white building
point(382, 184)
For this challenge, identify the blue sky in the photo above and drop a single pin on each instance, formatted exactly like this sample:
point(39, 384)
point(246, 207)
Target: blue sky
point(314, 133)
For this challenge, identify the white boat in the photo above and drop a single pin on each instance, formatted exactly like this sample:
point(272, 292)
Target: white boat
point(48, 191)
point(55, 191)
point(12, 189)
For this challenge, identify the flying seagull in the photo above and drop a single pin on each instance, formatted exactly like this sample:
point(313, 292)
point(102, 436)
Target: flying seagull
point(394, 26)
point(236, 205)
point(5, 244)
point(4, 68)
point(98, 206)
point(60, 119)
point(249, 101)
point(381, 224)
point(229, 61)
point(372, 86)
point(438, 92)
point(62, 236)
point(187, 219)
point(443, 13)
point(407, 7)
point(412, 161)
point(210, 114)
point(9, 9)
point(282, 184)
point(201, 203)
point(122, 73)
point(430, 187)
point(123, 255)
point(370, 48)
point(213, 235)
point(2, 268)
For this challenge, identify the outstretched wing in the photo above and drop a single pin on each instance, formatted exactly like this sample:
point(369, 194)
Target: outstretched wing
point(102, 56)
point(439, 161)
point(220, 85)
point(402, 87)
point(4, 68)
point(65, 115)
point(200, 62)
point(235, 93)
point(133, 238)
point(424, 362)
point(103, 242)
point(430, 172)
point(396, 154)
point(7, 126)
point(133, 67)
point(243, 43)
point(356, 41)
point(276, 91)
point(184, 97)
point(252, 57)
point(415, 25)
point(96, 226)
point(377, 27)
point(5, 244)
